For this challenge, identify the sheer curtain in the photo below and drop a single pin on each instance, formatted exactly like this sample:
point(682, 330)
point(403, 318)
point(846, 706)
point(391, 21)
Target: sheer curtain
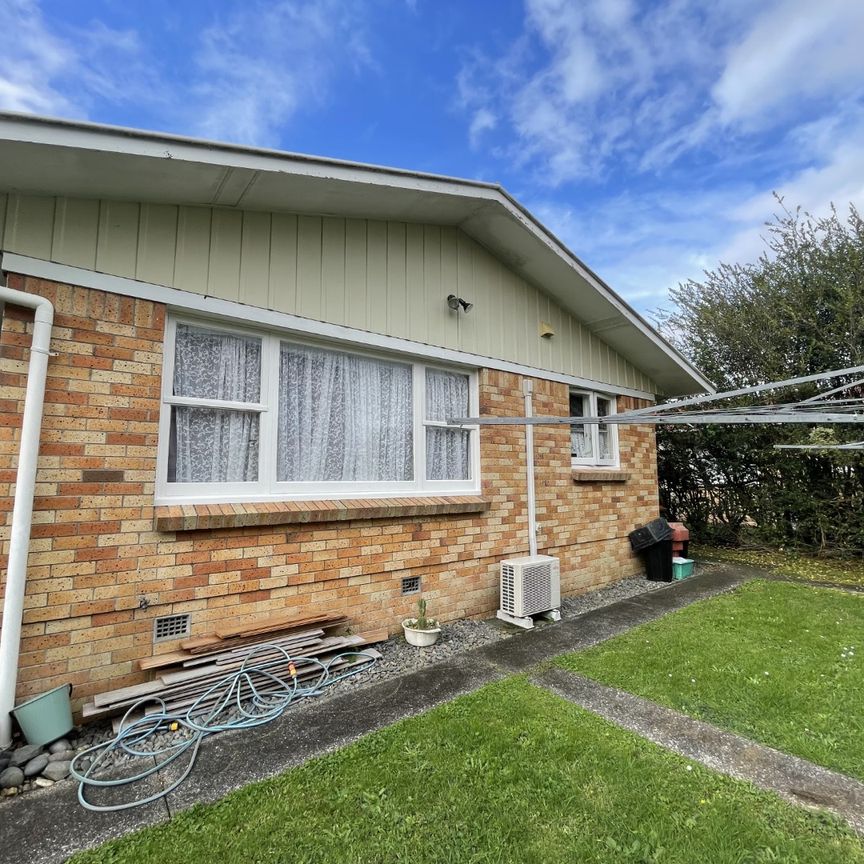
point(214, 445)
point(447, 450)
point(581, 445)
point(343, 417)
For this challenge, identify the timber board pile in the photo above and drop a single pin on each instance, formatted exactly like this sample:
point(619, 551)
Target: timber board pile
point(184, 676)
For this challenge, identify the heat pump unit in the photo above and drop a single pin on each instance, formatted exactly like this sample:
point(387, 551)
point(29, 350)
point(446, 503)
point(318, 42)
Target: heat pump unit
point(530, 586)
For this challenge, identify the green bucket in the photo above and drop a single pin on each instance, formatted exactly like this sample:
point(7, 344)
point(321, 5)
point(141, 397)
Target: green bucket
point(47, 717)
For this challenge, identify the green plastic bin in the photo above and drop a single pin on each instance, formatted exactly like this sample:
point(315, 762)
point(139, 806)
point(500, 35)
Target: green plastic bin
point(46, 717)
point(682, 567)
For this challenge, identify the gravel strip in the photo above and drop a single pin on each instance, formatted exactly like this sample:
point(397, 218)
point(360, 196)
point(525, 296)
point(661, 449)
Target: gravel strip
point(400, 658)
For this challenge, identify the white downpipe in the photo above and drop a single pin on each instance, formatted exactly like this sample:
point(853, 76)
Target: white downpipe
point(22, 511)
point(528, 390)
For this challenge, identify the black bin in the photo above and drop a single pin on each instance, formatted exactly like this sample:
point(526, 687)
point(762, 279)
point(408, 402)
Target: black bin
point(653, 542)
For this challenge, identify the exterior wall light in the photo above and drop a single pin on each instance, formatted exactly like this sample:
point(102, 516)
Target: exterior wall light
point(455, 302)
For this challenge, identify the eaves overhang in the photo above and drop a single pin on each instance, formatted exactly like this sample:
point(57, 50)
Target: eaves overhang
point(45, 156)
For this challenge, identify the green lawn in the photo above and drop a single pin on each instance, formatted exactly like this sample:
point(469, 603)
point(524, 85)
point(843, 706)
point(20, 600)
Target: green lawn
point(778, 662)
point(840, 571)
point(507, 774)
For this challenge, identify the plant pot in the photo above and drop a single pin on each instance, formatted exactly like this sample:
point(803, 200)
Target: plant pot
point(420, 638)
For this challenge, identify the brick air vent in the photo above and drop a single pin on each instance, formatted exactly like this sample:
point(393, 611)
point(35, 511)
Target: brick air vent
point(170, 627)
point(411, 585)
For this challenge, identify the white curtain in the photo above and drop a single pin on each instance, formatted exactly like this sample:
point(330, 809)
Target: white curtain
point(447, 450)
point(212, 445)
point(343, 417)
point(581, 445)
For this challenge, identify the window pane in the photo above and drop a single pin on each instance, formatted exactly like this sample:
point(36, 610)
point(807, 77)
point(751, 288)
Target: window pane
point(209, 445)
point(447, 450)
point(343, 417)
point(604, 433)
point(211, 364)
point(581, 446)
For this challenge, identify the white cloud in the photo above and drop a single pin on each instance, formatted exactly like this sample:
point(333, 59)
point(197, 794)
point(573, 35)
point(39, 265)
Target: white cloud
point(794, 50)
point(258, 68)
point(482, 121)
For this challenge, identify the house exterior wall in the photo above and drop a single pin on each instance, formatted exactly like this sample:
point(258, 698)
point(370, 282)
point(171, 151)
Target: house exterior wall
point(384, 277)
point(95, 552)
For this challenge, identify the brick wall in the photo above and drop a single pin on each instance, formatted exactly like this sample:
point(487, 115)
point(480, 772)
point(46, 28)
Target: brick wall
point(95, 552)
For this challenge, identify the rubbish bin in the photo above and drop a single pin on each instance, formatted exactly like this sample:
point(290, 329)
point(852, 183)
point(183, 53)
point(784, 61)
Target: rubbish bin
point(654, 544)
point(680, 539)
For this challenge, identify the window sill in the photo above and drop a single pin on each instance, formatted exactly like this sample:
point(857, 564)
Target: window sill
point(600, 475)
point(199, 517)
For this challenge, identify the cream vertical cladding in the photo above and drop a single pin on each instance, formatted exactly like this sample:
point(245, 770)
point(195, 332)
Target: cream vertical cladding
point(408, 306)
point(376, 279)
point(3, 202)
point(226, 235)
point(355, 273)
point(191, 263)
point(76, 225)
point(309, 248)
point(255, 259)
point(118, 243)
point(333, 269)
point(397, 274)
point(431, 297)
point(282, 290)
point(443, 329)
point(157, 244)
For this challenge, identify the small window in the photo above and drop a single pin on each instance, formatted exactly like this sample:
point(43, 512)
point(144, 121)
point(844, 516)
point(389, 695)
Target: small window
point(593, 443)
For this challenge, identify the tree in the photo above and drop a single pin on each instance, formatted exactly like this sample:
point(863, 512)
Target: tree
point(798, 310)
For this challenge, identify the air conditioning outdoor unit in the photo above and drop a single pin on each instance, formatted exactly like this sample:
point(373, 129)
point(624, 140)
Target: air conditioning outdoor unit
point(530, 586)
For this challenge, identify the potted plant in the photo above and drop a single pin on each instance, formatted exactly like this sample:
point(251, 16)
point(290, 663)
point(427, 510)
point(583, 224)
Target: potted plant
point(421, 631)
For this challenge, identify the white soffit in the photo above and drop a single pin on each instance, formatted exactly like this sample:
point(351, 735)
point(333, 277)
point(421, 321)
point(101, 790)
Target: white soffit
point(56, 157)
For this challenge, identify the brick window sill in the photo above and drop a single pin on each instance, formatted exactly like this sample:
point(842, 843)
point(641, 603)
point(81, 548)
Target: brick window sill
point(600, 475)
point(198, 517)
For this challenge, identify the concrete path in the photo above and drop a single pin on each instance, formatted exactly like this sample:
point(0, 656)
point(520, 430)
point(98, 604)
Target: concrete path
point(47, 826)
point(796, 780)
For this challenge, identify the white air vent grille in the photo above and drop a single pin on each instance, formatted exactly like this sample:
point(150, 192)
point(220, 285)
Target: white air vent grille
point(530, 585)
point(170, 627)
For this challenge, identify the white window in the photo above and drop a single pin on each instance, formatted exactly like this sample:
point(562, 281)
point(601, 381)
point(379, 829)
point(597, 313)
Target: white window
point(261, 416)
point(593, 443)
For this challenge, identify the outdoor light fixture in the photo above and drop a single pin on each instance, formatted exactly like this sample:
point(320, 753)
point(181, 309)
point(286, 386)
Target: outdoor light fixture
point(455, 302)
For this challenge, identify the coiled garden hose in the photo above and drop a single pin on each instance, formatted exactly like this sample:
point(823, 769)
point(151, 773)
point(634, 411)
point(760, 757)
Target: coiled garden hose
point(254, 692)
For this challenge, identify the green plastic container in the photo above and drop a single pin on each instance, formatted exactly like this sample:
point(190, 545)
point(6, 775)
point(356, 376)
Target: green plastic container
point(47, 717)
point(682, 567)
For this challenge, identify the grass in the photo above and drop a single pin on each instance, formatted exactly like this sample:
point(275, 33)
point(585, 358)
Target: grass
point(840, 571)
point(510, 773)
point(771, 661)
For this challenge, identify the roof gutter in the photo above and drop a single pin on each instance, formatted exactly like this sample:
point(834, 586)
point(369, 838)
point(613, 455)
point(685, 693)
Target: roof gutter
point(22, 512)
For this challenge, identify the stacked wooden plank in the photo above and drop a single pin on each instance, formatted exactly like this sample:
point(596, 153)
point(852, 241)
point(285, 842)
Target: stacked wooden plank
point(184, 676)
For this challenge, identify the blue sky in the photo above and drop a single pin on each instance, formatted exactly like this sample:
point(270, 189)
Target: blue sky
point(648, 136)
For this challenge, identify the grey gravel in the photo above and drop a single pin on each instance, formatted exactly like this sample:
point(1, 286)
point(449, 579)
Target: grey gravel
point(36, 766)
point(24, 754)
point(623, 590)
point(11, 777)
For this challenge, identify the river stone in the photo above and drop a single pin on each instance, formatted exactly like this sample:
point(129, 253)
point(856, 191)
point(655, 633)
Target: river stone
point(56, 770)
point(24, 754)
point(62, 756)
point(36, 766)
point(11, 778)
point(43, 782)
point(4, 762)
point(61, 745)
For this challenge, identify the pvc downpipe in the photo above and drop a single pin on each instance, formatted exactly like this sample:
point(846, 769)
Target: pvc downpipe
point(22, 511)
point(528, 390)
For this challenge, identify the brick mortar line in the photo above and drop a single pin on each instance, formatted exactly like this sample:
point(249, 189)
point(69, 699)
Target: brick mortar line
point(794, 779)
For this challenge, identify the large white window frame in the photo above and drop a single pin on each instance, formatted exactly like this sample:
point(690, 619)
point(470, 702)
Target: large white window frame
point(267, 487)
point(589, 401)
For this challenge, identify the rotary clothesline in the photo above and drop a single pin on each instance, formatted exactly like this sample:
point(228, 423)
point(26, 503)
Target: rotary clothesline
point(827, 408)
